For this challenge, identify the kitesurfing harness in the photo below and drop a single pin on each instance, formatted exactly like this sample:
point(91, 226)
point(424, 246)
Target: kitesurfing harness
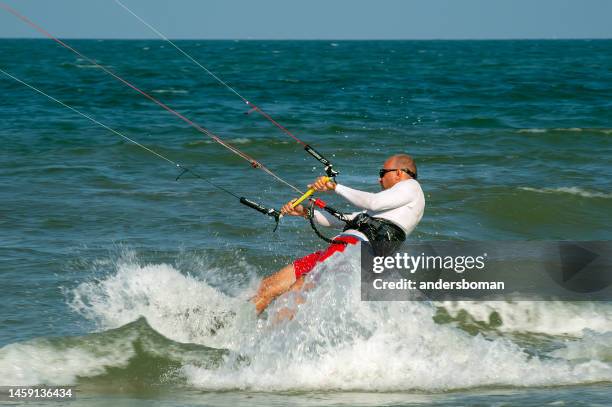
point(383, 235)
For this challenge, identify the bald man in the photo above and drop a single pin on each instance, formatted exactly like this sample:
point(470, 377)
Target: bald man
point(387, 216)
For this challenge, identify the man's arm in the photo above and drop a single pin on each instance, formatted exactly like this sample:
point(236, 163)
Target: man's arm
point(400, 194)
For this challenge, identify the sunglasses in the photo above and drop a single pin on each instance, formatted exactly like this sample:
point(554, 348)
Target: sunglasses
point(382, 172)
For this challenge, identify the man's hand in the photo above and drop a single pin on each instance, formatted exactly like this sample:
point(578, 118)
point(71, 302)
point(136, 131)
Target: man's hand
point(323, 184)
point(297, 211)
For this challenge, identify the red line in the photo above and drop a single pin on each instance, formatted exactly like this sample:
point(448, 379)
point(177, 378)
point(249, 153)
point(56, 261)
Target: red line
point(277, 124)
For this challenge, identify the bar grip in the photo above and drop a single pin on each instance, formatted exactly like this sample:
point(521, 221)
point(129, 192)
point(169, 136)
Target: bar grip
point(306, 195)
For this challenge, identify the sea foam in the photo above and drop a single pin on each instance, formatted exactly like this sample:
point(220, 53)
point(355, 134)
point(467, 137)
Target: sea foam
point(569, 190)
point(334, 342)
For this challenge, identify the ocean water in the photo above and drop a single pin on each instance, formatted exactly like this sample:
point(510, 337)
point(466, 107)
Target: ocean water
point(133, 287)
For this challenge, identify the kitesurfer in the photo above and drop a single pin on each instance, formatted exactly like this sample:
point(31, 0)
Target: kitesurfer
point(389, 216)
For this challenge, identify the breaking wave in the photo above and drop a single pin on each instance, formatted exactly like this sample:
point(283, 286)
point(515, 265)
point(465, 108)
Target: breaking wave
point(204, 334)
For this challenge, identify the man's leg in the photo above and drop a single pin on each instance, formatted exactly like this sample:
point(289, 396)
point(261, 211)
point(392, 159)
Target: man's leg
point(273, 286)
point(298, 287)
point(284, 279)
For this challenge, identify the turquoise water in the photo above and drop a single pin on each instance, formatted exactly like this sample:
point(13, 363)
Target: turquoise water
point(130, 282)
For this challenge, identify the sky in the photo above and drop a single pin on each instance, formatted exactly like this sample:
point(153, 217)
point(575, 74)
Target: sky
point(315, 19)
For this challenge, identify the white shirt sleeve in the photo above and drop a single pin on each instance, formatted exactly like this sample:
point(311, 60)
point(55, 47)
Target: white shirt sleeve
point(400, 194)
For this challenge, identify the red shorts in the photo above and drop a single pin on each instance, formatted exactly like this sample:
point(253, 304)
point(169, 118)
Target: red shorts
point(307, 263)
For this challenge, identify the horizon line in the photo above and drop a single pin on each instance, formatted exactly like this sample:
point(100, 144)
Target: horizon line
point(319, 39)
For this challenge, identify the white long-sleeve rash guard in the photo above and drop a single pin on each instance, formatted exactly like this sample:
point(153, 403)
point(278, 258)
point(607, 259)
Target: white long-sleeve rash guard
point(402, 204)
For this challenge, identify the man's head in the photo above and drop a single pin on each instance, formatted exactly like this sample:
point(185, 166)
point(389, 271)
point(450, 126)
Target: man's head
point(401, 166)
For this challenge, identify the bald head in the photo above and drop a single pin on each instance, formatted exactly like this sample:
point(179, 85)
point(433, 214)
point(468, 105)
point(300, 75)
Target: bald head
point(392, 173)
point(403, 161)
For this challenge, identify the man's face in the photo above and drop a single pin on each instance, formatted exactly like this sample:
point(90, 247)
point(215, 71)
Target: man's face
point(390, 178)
